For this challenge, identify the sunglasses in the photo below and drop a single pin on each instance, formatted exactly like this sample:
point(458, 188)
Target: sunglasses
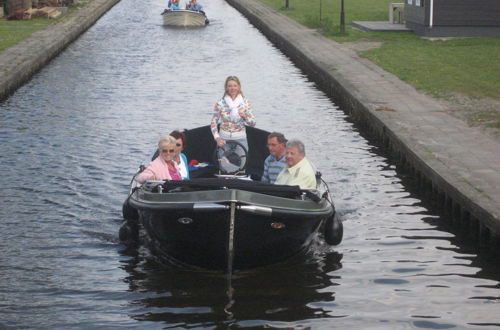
point(168, 151)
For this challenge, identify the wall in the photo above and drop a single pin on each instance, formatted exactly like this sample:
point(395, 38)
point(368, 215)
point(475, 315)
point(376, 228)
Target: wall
point(417, 14)
point(467, 12)
point(454, 18)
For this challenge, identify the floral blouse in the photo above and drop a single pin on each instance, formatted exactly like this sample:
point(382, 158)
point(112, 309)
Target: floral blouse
point(228, 124)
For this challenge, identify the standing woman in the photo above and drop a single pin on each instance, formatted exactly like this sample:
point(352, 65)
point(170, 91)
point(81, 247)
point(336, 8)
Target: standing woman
point(232, 112)
point(180, 158)
point(163, 167)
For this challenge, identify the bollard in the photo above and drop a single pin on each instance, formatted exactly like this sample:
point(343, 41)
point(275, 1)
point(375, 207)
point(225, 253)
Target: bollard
point(342, 17)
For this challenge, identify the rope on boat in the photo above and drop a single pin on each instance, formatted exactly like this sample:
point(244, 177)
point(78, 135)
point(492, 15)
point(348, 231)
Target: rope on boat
point(327, 195)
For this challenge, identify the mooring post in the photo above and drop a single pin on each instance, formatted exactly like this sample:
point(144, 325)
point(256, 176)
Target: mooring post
point(320, 9)
point(342, 17)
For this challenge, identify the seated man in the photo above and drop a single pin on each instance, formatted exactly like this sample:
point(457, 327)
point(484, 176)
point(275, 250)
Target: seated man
point(194, 5)
point(298, 172)
point(276, 161)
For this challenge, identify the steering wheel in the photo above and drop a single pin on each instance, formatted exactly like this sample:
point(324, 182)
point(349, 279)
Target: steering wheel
point(232, 157)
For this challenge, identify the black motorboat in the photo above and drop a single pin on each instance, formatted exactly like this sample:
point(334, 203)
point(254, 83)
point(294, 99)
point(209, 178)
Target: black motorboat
point(222, 219)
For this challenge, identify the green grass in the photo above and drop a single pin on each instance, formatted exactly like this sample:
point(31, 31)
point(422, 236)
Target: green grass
point(12, 32)
point(309, 13)
point(469, 66)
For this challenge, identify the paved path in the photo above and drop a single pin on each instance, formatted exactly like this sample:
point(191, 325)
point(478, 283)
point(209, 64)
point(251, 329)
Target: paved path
point(459, 158)
point(379, 26)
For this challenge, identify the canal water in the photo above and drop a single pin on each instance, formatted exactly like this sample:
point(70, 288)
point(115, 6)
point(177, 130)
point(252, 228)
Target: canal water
point(71, 139)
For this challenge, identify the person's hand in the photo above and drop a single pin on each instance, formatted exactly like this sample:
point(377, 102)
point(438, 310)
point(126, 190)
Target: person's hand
point(242, 112)
point(220, 141)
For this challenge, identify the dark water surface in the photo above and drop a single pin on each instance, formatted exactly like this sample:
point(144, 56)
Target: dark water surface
point(72, 137)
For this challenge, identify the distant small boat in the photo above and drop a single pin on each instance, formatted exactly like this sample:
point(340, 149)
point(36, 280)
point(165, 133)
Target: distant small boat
point(184, 18)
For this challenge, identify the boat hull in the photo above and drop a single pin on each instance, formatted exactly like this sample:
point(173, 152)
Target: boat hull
point(227, 222)
point(184, 18)
point(267, 229)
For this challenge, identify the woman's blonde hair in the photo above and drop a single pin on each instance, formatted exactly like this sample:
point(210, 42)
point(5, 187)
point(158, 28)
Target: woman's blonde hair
point(235, 79)
point(166, 140)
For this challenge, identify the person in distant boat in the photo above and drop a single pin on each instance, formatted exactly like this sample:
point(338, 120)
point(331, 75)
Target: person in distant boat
point(276, 161)
point(180, 158)
point(163, 167)
point(194, 5)
point(233, 113)
point(299, 171)
point(173, 5)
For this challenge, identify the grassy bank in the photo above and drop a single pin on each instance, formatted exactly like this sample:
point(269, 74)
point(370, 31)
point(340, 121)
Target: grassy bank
point(12, 32)
point(443, 68)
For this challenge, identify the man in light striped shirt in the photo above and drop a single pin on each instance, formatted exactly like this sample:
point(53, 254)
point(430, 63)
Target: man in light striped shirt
point(276, 161)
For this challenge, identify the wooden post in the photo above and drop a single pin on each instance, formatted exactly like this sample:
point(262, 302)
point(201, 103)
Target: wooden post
point(320, 9)
point(342, 17)
point(286, 4)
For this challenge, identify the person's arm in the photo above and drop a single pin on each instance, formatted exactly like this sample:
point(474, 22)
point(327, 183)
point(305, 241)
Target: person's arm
point(185, 165)
point(213, 125)
point(265, 174)
point(308, 182)
point(281, 178)
point(247, 115)
point(215, 121)
point(145, 175)
point(307, 177)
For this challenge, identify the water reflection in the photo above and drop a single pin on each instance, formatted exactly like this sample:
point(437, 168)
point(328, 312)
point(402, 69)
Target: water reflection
point(293, 292)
